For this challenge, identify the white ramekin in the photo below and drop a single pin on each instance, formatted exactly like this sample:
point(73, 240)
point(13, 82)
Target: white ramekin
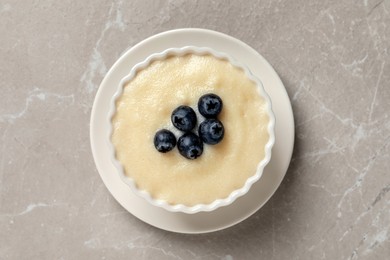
point(234, 194)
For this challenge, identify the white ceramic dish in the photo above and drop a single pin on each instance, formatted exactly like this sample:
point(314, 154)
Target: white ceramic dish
point(218, 202)
point(244, 206)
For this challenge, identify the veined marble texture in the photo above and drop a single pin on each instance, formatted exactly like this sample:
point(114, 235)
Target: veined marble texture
point(333, 57)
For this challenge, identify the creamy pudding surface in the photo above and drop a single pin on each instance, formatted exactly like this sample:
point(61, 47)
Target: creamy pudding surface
point(145, 107)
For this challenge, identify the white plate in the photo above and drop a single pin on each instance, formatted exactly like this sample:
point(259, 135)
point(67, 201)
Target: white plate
point(260, 192)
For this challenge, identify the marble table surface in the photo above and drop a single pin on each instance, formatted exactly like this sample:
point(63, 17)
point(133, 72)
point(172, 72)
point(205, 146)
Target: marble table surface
point(333, 57)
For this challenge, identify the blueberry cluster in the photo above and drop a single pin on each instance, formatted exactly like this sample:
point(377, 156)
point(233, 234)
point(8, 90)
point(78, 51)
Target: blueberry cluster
point(190, 145)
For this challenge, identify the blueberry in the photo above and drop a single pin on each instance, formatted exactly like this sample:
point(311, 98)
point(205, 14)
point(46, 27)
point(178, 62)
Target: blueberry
point(190, 146)
point(211, 131)
point(184, 118)
point(210, 105)
point(164, 141)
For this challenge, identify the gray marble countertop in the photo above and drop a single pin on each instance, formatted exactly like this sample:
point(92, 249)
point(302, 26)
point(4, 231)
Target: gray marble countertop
point(333, 57)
